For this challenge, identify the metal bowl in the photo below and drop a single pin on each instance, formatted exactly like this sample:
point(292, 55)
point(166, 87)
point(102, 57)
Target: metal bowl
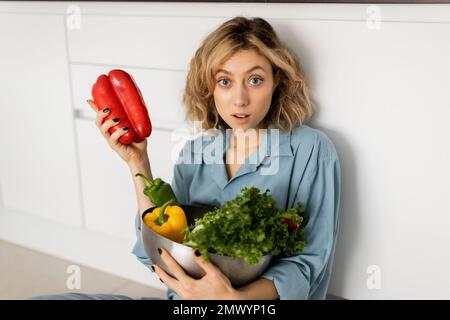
point(236, 269)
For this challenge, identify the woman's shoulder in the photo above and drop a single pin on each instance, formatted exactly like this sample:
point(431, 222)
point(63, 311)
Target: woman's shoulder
point(305, 138)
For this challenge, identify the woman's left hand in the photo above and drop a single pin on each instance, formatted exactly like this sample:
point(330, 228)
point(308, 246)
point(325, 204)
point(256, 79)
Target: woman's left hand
point(214, 285)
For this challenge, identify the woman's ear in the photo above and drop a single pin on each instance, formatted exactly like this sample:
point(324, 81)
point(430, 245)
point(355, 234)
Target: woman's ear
point(275, 85)
point(276, 79)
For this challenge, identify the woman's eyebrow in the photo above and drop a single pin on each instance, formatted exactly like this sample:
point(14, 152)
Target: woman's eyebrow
point(248, 71)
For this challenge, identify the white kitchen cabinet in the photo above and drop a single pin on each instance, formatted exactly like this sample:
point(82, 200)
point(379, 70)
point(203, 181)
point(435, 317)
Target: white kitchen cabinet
point(155, 42)
point(38, 162)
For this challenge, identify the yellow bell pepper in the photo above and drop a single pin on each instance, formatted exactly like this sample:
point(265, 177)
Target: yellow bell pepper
point(168, 221)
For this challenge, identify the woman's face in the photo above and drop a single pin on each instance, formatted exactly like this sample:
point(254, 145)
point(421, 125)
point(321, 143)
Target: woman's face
point(244, 85)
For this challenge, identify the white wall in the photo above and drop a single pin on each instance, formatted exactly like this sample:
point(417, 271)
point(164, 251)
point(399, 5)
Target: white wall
point(383, 99)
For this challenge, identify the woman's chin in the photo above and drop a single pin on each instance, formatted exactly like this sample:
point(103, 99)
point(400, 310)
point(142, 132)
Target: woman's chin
point(242, 126)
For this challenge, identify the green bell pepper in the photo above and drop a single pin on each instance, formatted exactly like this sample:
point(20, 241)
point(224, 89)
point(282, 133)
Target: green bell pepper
point(158, 191)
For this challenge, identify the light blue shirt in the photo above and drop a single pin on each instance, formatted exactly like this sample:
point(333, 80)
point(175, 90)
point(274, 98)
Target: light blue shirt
point(302, 166)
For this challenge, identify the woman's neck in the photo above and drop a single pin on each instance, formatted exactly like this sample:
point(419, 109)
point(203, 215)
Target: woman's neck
point(248, 139)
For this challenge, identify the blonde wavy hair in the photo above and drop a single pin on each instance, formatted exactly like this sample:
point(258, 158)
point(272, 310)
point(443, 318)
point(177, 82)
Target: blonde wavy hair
point(291, 104)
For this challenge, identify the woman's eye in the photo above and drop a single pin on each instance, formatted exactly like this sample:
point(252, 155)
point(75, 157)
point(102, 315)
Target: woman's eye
point(257, 79)
point(222, 80)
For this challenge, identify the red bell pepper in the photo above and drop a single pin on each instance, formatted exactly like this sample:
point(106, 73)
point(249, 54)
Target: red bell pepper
point(291, 224)
point(118, 92)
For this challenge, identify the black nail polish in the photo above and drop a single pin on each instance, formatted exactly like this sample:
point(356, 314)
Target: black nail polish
point(125, 129)
point(159, 250)
point(116, 119)
point(197, 253)
point(106, 110)
point(161, 280)
point(153, 268)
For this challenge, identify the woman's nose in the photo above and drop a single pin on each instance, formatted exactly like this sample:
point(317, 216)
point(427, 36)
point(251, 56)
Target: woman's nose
point(241, 96)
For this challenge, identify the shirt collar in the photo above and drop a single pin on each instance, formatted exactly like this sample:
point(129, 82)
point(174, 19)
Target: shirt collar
point(272, 137)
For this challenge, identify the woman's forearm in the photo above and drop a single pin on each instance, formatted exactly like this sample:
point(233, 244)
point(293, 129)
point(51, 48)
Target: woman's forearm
point(261, 289)
point(143, 167)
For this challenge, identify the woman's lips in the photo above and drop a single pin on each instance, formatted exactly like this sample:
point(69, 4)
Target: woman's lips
point(241, 119)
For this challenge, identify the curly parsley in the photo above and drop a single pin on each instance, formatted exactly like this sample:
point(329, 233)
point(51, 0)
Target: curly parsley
point(249, 226)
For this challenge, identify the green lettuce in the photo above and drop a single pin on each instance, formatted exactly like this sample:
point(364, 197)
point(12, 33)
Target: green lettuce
point(249, 226)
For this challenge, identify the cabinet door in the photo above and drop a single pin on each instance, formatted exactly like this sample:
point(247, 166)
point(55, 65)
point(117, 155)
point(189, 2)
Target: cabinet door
point(147, 41)
point(107, 189)
point(38, 162)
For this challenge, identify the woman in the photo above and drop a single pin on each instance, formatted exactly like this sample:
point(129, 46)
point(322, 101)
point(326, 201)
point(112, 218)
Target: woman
point(243, 79)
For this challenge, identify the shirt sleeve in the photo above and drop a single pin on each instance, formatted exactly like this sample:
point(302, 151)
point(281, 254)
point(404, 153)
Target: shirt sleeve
point(180, 192)
point(299, 275)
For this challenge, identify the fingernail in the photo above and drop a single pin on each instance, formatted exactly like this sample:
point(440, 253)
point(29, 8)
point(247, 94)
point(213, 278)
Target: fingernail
point(197, 253)
point(159, 250)
point(106, 110)
point(87, 100)
point(153, 268)
point(116, 119)
point(125, 129)
point(161, 280)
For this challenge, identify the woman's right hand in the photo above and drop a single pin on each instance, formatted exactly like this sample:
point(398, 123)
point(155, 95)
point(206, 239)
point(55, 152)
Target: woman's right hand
point(135, 152)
